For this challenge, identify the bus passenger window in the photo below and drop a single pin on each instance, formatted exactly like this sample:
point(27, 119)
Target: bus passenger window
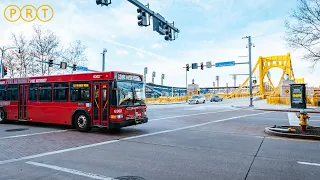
point(45, 92)
point(80, 92)
point(12, 94)
point(33, 91)
point(3, 92)
point(61, 91)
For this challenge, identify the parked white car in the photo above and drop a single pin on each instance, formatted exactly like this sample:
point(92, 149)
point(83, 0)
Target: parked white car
point(196, 99)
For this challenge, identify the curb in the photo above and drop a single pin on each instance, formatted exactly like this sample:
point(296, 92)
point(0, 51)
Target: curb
point(286, 110)
point(297, 136)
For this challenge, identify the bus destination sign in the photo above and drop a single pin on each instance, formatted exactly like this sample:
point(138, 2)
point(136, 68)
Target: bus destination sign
point(130, 77)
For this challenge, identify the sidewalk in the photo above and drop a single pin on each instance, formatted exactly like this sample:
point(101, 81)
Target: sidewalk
point(262, 105)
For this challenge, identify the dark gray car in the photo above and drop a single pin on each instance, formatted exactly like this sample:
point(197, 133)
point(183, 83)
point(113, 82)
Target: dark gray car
point(216, 98)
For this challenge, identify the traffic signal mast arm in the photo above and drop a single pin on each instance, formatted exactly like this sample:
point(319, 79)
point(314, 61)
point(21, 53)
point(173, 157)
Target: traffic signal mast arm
point(153, 14)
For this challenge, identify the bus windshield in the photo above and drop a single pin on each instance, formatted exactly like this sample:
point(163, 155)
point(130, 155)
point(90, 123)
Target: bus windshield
point(130, 93)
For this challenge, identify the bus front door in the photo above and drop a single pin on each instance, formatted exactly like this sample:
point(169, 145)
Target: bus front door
point(100, 104)
point(22, 101)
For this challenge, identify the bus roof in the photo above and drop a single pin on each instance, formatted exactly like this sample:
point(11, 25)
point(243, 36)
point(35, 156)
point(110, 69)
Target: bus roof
point(111, 75)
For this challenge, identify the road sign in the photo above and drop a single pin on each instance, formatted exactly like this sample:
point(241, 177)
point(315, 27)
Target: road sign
point(63, 65)
point(82, 68)
point(287, 91)
point(229, 63)
point(194, 66)
point(208, 64)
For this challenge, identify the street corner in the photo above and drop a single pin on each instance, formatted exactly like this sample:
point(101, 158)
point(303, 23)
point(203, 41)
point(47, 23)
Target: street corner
point(310, 133)
point(308, 110)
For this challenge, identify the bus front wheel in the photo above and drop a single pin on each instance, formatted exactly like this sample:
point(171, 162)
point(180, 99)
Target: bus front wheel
point(3, 118)
point(82, 122)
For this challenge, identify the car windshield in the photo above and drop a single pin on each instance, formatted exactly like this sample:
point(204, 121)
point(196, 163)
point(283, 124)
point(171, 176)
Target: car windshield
point(130, 93)
point(195, 97)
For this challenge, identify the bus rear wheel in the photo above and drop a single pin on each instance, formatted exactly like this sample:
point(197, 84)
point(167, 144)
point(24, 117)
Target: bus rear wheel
point(82, 122)
point(3, 118)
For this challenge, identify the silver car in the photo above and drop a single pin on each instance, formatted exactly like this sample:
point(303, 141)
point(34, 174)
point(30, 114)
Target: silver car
point(196, 99)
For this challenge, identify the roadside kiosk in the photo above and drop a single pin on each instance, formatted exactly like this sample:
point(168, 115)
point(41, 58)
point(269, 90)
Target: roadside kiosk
point(298, 98)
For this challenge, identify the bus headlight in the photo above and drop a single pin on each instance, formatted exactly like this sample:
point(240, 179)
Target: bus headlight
point(119, 116)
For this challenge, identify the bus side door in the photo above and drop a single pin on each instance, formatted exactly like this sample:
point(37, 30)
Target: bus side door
point(100, 103)
point(22, 101)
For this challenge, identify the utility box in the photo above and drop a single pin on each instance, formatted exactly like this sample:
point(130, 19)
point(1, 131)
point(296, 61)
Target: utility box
point(298, 96)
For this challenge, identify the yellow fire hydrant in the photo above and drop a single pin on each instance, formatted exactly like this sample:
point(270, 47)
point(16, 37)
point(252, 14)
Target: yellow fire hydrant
point(303, 116)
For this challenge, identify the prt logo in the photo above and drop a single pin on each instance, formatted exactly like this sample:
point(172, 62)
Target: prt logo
point(28, 13)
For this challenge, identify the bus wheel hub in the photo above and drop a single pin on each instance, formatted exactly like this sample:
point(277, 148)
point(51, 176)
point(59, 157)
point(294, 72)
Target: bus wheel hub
point(82, 121)
point(1, 116)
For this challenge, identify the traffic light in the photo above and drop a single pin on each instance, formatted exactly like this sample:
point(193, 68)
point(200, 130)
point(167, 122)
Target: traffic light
point(201, 65)
point(5, 71)
point(103, 2)
point(50, 63)
point(142, 18)
point(187, 66)
point(168, 32)
point(74, 67)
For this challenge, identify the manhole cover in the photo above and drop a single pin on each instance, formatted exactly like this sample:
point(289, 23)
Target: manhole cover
point(129, 178)
point(19, 129)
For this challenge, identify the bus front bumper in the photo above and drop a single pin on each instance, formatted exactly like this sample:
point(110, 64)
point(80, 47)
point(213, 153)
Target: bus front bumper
point(129, 122)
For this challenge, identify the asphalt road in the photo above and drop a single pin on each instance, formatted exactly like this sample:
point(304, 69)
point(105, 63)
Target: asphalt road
point(180, 142)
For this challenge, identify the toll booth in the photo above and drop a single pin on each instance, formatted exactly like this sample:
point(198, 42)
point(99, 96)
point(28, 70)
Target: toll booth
point(298, 98)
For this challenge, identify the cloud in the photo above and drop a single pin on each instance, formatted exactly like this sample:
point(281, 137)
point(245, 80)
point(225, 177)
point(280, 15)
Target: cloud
point(140, 54)
point(122, 52)
point(159, 45)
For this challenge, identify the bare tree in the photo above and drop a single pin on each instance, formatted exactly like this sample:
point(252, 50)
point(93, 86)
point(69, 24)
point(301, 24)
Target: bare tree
point(11, 63)
point(22, 55)
point(303, 31)
point(44, 46)
point(75, 54)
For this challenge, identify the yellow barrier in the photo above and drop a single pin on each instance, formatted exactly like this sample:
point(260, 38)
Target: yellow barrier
point(183, 98)
point(311, 100)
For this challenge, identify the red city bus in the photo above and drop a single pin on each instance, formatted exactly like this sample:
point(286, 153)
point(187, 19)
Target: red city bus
point(103, 99)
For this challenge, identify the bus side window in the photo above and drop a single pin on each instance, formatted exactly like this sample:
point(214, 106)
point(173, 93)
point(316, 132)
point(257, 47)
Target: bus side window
point(33, 91)
point(3, 92)
point(80, 92)
point(61, 92)
point(45, 92)
point(12, 94)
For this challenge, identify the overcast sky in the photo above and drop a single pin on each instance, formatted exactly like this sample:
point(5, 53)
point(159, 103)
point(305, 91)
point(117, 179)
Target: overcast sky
point(211, 30)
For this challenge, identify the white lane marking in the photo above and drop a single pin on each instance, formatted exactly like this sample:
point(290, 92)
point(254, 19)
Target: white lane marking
point(307, 163)
point(293, 119)
point(189, 127)
point(186, 115)
point(114, 141)
point(71, 171)
point(33, 134)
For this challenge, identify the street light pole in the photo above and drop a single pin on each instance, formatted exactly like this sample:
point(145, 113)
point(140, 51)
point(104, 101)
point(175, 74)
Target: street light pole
point(103, 59)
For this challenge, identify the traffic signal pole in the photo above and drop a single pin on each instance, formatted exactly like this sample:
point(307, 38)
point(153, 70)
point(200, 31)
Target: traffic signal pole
point(3, 49)
point(2, 67)
point(250, 69)
point(187, 69)
point(186, 85)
